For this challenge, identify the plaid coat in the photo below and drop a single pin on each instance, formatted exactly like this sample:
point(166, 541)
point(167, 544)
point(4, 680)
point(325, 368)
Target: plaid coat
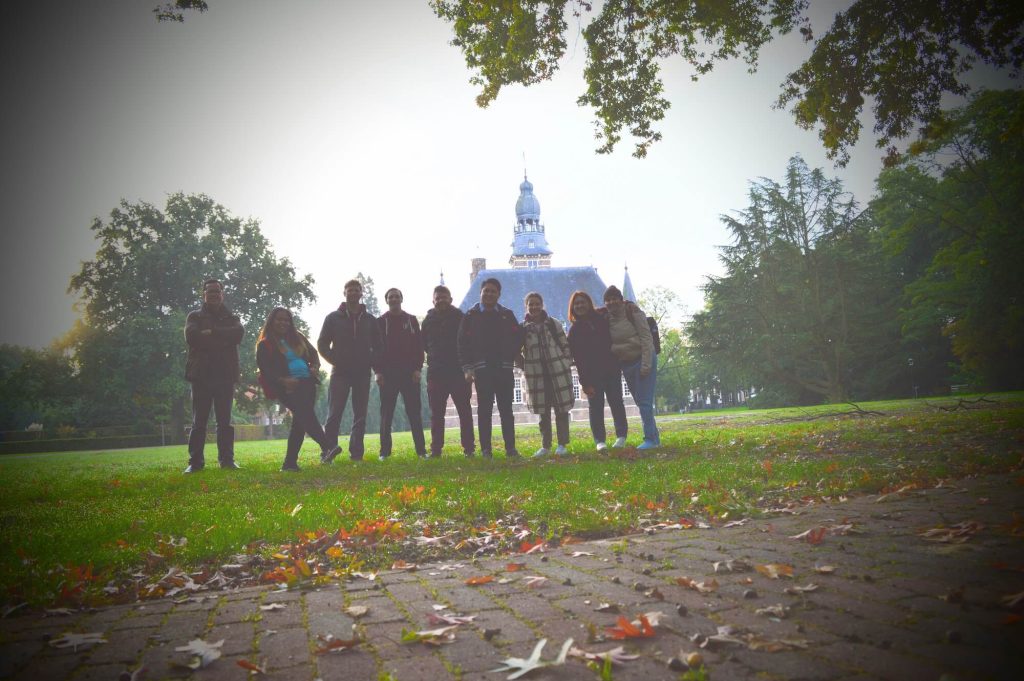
point(546, 355)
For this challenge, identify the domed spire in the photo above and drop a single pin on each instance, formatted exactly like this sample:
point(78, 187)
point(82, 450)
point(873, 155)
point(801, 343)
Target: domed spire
point(529, 244)
point(527, 207)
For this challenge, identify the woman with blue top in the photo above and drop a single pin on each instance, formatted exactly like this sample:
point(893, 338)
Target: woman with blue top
point(289, 371)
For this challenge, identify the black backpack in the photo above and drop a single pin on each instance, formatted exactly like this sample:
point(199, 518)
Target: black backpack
point(653, 326)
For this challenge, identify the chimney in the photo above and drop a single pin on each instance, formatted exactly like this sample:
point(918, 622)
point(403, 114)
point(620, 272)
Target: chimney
point(477, 264)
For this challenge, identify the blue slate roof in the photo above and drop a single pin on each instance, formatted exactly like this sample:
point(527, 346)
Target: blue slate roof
point(555, 284)
point(530, 243)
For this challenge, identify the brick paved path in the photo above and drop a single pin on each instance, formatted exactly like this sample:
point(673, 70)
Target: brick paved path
point(898, 607)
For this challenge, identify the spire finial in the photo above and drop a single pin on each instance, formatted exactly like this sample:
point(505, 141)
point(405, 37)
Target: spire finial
point(524, 165)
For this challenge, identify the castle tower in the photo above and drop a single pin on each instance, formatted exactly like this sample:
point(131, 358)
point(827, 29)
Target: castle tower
point(529, 244)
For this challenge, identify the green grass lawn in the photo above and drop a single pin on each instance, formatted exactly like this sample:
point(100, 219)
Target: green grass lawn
point(72, 523)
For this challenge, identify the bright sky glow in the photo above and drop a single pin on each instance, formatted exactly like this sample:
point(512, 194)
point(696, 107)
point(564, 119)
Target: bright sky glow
point(349, 130)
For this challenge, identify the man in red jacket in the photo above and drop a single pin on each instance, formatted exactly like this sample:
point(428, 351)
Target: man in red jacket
point(398, 367)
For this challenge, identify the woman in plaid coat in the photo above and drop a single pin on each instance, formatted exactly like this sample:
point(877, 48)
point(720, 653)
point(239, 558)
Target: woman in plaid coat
point(547, 365)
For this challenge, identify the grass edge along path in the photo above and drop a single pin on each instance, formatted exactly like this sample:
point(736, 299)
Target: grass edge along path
point(92, 528)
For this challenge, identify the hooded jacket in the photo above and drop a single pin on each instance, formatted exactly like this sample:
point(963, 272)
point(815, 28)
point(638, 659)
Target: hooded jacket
point(401, 344)
point(489, 338)
point(349, 339)
point(212, 357)
point(441, 341)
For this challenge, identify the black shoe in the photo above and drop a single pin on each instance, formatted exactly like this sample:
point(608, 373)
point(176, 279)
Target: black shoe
point(192, 469)
point(330, 456)
point(290, 468)
point(356, 457)
point(230, 466)
point(513, 454)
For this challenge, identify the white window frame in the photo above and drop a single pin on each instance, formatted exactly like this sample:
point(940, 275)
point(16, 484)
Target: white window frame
point(576, 386)
point(625, 388)
point(517, 391)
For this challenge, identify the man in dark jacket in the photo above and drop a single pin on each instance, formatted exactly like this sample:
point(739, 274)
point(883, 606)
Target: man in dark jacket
point(490, 339)
point(398, 366)
point(444, 373)
point(348, 340)
point(212, 334)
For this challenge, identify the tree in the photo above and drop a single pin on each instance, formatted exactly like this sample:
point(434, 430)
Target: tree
point(805, 311)
point(673, 387)
point(950, 216)
point(904, 56)
point(147, 275)
point(36, 386)
point(369, 295)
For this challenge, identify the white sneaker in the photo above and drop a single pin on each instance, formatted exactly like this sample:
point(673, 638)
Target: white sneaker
point(619, 443)
point(543, 451)
point(601, 446)
point(561, 451)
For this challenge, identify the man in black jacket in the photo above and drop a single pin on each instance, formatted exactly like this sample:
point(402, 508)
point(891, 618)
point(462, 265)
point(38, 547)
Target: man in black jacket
point(212, 334)
point(490, 339)
point(349, 341)
point(444, 373)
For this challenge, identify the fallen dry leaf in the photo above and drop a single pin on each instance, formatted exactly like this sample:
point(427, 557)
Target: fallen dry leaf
point(298, 507)
point(824, 569)
point(272, 606)
point(72, 641)
point(616, 655)
point(251, 666)
point(434, 618)
point(520, 666)
point(203, 652)
point(731, 565)
point(329, 644)
point(1013, 600)
point(625, 629)
point(955, 534)
point(814, 535)
point(432, 636)
point(356, 611)
point(703, 587)
point(402, 565)
point(796, 590)
point(535, 581)
point(515, 567)
point(577, 554)
point(775, 570)
point(477, 581)
point(607, 607)
point(778, 610)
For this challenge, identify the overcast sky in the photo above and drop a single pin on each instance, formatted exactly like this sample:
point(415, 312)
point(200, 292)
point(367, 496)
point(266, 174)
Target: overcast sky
point(350, 131)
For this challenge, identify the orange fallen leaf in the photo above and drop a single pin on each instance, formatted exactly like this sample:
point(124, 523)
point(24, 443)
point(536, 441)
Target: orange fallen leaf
point(812, 536)
point(402, 565)
point(477, 581)
point(515, 567)
point(251, 666)
point(330, 644)
point(775, 570)
point(527, 547)
point(626, 629)
point(703, 587)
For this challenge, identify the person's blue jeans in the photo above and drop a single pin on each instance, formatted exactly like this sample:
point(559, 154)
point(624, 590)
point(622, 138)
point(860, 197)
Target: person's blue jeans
point(642, 389)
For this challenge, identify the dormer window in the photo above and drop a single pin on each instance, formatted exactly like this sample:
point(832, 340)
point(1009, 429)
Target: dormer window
point(532, 243)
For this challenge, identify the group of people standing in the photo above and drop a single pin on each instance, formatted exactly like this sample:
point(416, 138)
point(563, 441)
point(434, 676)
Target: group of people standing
point(481, 346)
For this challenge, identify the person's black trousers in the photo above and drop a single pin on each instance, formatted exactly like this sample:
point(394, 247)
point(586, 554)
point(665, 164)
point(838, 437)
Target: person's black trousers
point(301, 402)
point(390, 388)
point(219, 397)
point(495, 384)
point(612, 387)
point(342, 383)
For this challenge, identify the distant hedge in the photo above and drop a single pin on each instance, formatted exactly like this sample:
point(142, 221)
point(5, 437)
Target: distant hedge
point(77, 444)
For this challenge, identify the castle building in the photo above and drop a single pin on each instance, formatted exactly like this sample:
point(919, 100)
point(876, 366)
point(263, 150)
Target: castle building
point(529, 270)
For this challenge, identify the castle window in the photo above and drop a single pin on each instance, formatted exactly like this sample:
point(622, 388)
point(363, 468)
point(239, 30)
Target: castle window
point(533, 244)
point(625, 388)
point(517, 391)
point(576, 386)
point(532, 263)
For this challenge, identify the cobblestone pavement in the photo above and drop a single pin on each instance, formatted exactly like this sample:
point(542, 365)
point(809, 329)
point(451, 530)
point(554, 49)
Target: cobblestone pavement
point(898, 606)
